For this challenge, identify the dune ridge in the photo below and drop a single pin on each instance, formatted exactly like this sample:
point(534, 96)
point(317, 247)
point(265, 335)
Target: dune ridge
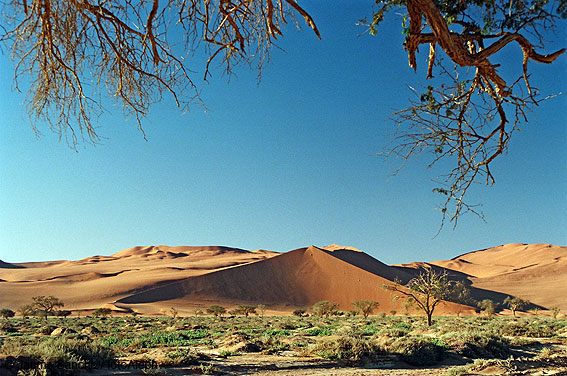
point(151, 279)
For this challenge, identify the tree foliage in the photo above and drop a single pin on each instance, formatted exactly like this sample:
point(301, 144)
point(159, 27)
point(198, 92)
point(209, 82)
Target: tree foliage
point(324, 308)
point(216, 310)
point(515, 304)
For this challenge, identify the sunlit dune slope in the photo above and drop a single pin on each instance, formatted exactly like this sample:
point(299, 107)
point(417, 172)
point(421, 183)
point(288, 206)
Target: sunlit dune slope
point(99, 280)
point(537, 272)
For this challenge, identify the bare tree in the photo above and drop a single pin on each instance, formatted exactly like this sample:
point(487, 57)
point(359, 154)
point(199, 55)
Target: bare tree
point(425, 291)
point(365, 307)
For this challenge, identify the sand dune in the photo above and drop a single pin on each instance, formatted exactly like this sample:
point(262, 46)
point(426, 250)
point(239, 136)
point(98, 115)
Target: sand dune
point(94, 281)
point(151, 279)
point(297, 278)
point(537, 272)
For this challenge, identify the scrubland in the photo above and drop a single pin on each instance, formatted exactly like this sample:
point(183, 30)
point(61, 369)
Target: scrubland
point(287, 345)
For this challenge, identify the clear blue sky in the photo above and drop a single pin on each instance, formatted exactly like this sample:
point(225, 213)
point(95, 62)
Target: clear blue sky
point(280, 165)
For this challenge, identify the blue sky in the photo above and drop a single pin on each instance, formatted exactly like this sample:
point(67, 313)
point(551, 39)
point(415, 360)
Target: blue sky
point(278, 165)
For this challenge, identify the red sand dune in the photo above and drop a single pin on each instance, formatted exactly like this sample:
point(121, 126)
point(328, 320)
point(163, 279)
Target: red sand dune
point(152, 279)
point(297, 278)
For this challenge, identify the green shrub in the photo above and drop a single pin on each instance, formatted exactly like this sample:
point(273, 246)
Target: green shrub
point(418, 350)
point(477, 344)
point(350, 348)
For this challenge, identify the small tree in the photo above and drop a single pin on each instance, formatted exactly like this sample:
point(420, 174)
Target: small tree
point(174, 312)
point(6, 313)
point(425, 291)
point(245, 310)
point(102, 312)
point(324, 308)
point(462, 295)
point(487, 306)
point(365, 307)
point(261, 309)
point(515, 304)
point(216, 310)
point(555, 310)
point(26, 310)
point(45, 305)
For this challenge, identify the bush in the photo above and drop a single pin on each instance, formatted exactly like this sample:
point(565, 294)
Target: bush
point(350, 348)
point(324, 308)
point(477, 344)
point(299, 312)
point(102, 312)
point(6, 313)
point(419, 351)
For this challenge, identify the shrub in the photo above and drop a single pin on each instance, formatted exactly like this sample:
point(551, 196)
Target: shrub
point(299, 312)
point(102, 312)
point(324, 308)
point(419, 351)
point(365, 307)
point(6, 313)
point(477, 344)
point(350, 348)
point(216, 310)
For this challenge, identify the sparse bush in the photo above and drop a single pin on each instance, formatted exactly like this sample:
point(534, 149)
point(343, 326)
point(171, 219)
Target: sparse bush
point(478, 344)
point(62, 313)
point(365, 307)
point(173, 312)
point(26, 310)
point(487, 306)
point(515, 304)
point(324, 308)
point(350, 348)
point(555, 310)
point(216, 310)
point(45, 305)
point(102, 312)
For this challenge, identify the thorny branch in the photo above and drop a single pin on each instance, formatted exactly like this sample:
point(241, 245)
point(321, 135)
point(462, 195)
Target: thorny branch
point(467, 119)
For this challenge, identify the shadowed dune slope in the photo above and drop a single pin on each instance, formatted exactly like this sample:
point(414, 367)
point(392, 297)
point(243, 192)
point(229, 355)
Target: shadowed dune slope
point(94, 281)
point(296, 278)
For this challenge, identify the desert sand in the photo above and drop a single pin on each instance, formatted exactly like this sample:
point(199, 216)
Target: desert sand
point(152, 279)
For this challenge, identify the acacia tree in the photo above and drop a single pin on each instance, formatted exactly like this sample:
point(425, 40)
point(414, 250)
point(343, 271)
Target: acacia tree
point(45, 305)
point(515, 304)
point(426, 291)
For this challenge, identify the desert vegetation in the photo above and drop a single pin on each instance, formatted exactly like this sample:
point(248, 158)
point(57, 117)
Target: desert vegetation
point(199, 343)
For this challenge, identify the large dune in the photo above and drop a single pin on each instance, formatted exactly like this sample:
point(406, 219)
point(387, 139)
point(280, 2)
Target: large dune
point(151, 279)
